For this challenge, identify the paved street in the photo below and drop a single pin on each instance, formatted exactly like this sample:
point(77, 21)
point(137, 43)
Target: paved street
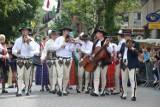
point(147, 97)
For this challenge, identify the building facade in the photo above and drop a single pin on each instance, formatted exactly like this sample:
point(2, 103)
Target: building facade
point(150, 6)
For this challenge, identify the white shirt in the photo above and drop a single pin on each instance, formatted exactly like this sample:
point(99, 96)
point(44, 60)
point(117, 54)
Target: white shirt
point(63, 52)
point(1, 49)
point(125, 54)
point(48, 47)
point(27, 50)
point(37, 49)
point(120, 44)
point(109, 48)
point(87, 47)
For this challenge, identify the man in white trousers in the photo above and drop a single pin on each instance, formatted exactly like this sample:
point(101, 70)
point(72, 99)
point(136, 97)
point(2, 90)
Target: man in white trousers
point(121, 40)
point(102, 67)
point(24, 50)
point(64, 48)
point(129, 64)
point(84, 50)
point(50, 55)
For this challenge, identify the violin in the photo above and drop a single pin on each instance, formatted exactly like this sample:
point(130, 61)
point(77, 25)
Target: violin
point(70, 39)
point(130, 44)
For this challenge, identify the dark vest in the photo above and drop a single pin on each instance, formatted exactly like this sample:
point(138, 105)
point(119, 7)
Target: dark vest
point(104, 63)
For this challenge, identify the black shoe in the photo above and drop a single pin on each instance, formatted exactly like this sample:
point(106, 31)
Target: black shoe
point(4, 91)
point(133, 98)
point(115, 93)
point(123, 97)
point(68, 92)
point(70, 88)
point(53, 91)
point(65, 94)
point(18, 95)
point(27, 94)
point(103, 94)
point(87, 92)
point(59, 93)
point(47, 88)
point(78, 91)
point(11, 86)
point(42, 90)
point(23, 90)
point(107, 93)
point(94, 94)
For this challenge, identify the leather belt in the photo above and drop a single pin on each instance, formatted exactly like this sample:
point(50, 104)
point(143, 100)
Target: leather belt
point(24, 58)
point(63, 57)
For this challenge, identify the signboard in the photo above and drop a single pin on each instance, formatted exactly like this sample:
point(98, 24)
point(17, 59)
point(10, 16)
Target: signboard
point(154, 25)
point(127, 31)
point(153, 17)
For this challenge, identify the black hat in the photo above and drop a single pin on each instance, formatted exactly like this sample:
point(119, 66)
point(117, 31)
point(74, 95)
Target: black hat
point(120, 34)
point(102, 31)
point(54, 32)
point(66, 28)
point(25, 26)
point(84, 37)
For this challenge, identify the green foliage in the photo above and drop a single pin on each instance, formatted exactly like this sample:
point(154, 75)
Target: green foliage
point(15, 12)
point(64, 21)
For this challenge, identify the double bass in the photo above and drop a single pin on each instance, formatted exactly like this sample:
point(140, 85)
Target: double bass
point(90, 63)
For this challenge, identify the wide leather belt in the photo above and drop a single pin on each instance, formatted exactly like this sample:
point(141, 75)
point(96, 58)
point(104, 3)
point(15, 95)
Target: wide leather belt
point(63, 57)
point(20, 58)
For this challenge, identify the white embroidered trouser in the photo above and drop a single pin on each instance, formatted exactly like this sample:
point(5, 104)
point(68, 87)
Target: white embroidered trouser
point(52, 74)
point(23, 72)
point(97, 73)
point(132, 77)
point(63, 70)
point(80, 77)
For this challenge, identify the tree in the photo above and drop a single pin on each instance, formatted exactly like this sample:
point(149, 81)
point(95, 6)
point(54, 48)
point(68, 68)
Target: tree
point(100, 13)
point(15, 12)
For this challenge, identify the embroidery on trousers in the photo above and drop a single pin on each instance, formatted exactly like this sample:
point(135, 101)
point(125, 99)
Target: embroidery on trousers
point(60, 62)
point(67, 63)
point(49, 63)
point(20, 64)
point(54, 62)
point(27, 65)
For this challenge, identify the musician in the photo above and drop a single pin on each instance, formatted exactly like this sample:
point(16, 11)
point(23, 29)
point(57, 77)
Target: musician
point(64, 51)
point(129, 55)
point(49, 54)
point(84, 50)
point(101, 70)
point(4, 66)
point(24, 48)
point(121, 40)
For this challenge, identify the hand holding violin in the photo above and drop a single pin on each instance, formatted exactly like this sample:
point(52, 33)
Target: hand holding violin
point(63, 45)
point(27, 39)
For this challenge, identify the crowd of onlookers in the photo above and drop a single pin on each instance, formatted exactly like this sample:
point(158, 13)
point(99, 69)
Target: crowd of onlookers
point(149, 59)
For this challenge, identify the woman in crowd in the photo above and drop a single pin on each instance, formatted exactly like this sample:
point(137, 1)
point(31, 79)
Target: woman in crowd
point(42, 76)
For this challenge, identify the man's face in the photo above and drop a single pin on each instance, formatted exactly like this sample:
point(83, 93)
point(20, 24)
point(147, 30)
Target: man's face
point(25, 32)
point(66, 32)
point(99, 35)
point(54, 36)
